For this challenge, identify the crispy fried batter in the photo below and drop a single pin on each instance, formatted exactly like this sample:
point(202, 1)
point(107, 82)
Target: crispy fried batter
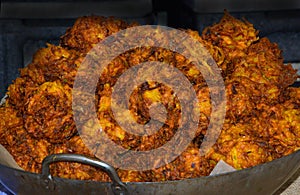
point(240, 147)
point(11, 126)
point(76, 170)
point(88, 31)
point(48, 113)
point(49, 64)
point(232, 35)
point(263, 63)
point(188, 165)
point(262, 111)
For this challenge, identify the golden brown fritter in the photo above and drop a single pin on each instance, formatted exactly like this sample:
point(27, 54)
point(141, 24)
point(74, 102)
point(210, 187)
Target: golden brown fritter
point(11, 126)
point(271, 132)
point(88, 31)
point(263, 63)
point(228, 40)
point(240, 147)
point(134, 176)
point(30, 152)
point(17, 92)
point(189, 164)
point(215, 51)
point(231, 35)
point(48, 113)
point(262, 111)
point(55, 63)
point(49, 64)
point(284, 128)
point(76, 170)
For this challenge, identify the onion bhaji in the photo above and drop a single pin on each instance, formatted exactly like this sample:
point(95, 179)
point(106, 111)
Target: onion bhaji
point(48, 114)
point(262, 112)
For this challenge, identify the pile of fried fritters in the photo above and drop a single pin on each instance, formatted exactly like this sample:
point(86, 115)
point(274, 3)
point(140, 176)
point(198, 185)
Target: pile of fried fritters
point(262, 111)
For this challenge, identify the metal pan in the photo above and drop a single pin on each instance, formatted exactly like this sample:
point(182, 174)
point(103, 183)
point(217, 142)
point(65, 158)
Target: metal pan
point(262, 179)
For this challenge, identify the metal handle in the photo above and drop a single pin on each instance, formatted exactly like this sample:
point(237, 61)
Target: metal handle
point(118, 186)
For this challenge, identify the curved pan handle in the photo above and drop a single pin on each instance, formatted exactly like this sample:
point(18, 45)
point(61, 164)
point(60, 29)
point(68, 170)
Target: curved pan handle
point(118, 186)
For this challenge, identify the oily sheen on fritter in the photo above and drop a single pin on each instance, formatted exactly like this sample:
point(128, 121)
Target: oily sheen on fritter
point(262, 112)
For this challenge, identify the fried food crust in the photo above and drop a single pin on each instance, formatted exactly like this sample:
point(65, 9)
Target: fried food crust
point(262, 111)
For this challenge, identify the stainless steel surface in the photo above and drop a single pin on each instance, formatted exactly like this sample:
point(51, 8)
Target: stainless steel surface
point(269, 178)
point(262, 179)
point(117, 186)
